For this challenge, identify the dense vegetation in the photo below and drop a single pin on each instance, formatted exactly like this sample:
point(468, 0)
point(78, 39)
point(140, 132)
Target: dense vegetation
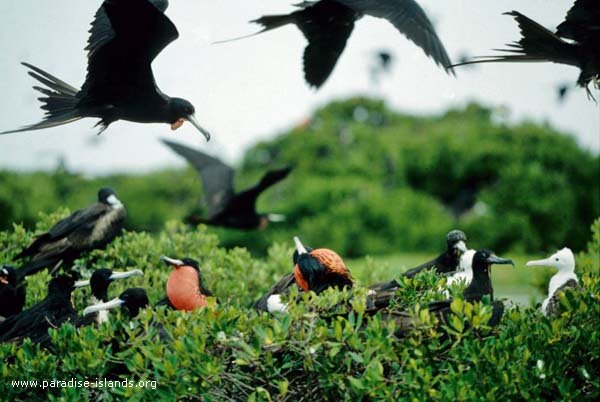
point(369, 180)
point(229, 352)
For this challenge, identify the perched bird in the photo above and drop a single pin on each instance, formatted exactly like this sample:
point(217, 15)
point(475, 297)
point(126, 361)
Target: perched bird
point(447, 262)
point(132, 300)
point(87, 229)
point(99, 283)
point(225, 207)
point(185, 287)
point(576, 42)
point(327, 25)
point(564, 261)
point(12, 292)
point(120, 84)
point(51, 312)
point(314, 270)
point(480, 287)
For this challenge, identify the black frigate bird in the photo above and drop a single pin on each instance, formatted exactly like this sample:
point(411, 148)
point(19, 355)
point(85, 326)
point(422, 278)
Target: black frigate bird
point(90, 228)
point(327, 25)
point(480, 287)
point(51, 312)
point(576, 42)
point(125, 38)
point(225, 207)
point(12, 292)
point(132, 299)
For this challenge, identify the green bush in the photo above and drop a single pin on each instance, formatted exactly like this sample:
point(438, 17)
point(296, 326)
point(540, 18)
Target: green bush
point(230, 352)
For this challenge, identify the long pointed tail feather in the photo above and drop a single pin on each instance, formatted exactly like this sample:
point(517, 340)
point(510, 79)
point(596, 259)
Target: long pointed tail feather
point(268, 23)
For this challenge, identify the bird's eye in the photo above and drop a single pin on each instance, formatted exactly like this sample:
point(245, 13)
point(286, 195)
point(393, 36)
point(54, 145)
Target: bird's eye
point(556, 259)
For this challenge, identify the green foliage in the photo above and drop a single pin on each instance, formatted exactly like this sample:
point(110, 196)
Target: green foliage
point(230, 352)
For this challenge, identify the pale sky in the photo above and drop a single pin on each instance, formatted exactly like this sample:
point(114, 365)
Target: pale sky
point(252, 89)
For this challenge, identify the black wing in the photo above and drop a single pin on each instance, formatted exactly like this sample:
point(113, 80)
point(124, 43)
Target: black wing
point(281, 287)
point(245, 202)
point(120, 57)
point(85, 217)
point(217, 177)
point(411, 273)
point(552, 307)
point(582, 23)
point(408, 18)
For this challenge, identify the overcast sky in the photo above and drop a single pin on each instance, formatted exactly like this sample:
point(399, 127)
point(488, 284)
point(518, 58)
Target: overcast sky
point(252, 89)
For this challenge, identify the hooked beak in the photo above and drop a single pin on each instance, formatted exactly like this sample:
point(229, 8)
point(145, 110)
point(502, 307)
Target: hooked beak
point(81, 284)
point(494, 259)
point(547, 262)
point(171, 261)
point(299, 246)
point(192, 119)
point(461, 246)
point(123, 275)
point(103, 306)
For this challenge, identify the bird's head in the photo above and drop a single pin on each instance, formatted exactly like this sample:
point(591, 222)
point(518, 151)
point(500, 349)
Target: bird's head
point(8, 276)
point(108, 196)
point(180, 111)
point(133, 299)
point(483, 259)
point(313, 267)
point(62, 286)
point(102, 278)
point(456, 242)
point(185, 288)
point(563, 260)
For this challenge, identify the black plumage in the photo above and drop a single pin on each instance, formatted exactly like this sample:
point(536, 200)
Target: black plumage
point(51, 312)
point(125, 38)
point(225, 207)
point(576, 42)
point(132, 300)
point(87, 229)
point(327, 25)
point(12, 292)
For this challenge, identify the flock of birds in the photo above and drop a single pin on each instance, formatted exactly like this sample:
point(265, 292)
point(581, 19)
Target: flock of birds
point(120, 85)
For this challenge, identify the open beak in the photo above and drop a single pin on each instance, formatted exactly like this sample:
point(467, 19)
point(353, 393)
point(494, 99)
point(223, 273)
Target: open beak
point(192, 119)
point(494, 259)
point(547, 262)
point(123, 275)
point(103, 306)
point(299, 246)
point(171, 261)
point(461, 247)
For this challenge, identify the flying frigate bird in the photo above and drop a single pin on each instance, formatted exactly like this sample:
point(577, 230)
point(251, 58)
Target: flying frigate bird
point(327, 25)
point(225, 207)
point(125, 38)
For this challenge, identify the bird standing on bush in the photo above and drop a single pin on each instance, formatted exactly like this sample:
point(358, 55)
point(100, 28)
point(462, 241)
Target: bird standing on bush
point(87, 229)
point(120, 84)
point(564, 261)
point(581, 29)
point(327, 25)
point(185, 287)
point(225, 207)
point(314, 270)
point(12, 292)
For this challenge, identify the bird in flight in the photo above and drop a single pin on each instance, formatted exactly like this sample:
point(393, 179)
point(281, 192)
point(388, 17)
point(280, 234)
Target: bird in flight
point(225, 207)
point(327, 25)
point(120, 84)
point(576, 42)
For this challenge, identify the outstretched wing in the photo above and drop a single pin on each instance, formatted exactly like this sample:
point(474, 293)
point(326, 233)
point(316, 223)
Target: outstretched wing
point(582, 23)
point(408, 18)
point(246, 200)
point(126, 37)
point(217, 177)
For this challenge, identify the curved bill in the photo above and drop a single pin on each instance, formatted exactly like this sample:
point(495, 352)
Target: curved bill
point(171, 261)
point(123, 275)
point(494, 259)
point(103, 306)
point(547, 262)
point(192, 119)
point(299, 246)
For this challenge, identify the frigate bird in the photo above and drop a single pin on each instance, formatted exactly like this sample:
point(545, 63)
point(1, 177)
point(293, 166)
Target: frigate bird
point(125, 38)
point(564, 261)
point(225, 207)
point(132, 300)
point(185, 287)
point(12, 292)
point(480, 287)
point(314, 270)
point(51, 312)
point(87, 229)
point(576, 42)
point(327, 25)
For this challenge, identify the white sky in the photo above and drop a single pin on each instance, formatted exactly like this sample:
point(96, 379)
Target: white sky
point(251, 89)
